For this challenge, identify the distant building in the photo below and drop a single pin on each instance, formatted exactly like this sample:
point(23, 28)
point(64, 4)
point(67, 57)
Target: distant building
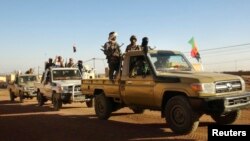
point(3, 78)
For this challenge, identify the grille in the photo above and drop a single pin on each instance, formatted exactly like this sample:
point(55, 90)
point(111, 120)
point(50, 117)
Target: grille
point(237, 101)
point(31, 89)
point(77, 88)
point(228, 86)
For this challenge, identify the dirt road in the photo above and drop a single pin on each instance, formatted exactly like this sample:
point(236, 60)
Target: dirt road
point(28, 122)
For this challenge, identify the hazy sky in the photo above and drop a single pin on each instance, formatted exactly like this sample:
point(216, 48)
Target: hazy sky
point(31, 31)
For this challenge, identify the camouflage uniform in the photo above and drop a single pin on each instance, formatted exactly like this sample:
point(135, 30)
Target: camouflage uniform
point(132, 46)
point(113, 56)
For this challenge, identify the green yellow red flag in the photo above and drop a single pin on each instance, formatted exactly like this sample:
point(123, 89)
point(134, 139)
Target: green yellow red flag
point(194, 51)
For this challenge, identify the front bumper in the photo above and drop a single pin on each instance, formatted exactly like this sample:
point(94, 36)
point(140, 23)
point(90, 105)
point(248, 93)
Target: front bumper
point(77, 97)
point(220, 105)
point(30, 93)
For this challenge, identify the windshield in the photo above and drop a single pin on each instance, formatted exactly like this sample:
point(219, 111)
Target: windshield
point(66, 75)
point(168, 61)
point(26, 79)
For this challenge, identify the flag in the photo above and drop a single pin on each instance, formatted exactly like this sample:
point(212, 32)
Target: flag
point(74, 48)
point(194, 52)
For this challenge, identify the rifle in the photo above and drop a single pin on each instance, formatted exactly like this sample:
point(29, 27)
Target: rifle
point(108, 52)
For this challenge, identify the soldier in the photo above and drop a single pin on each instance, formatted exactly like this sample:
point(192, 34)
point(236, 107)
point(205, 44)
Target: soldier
point(162, 62)
point(144, 45)
point(70, 64)
point(49, 64)
point(113, 54)
point(80, 66)
point(58, 61)
point(132, 46)
point(30, 71)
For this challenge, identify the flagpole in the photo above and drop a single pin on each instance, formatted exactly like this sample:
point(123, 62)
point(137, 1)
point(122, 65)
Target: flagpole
point(202, 68)
point(74, 53)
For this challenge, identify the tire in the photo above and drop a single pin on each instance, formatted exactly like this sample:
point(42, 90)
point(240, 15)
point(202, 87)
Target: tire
point(103, 107)
point(12, 97)
point(57, 101)
point(227, 118)
point(89, 103)
point(21, 97)
point(180, 116)
point(40, 99)
point(137, 110)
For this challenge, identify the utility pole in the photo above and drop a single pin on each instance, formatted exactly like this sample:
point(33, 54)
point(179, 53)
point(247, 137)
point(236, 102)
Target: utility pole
point(38, 71)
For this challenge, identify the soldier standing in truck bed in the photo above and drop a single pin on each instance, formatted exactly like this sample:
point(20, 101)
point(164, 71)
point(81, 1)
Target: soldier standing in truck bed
point(113, 55)
point(70, 64)
point(133, 46)
point(49, 64)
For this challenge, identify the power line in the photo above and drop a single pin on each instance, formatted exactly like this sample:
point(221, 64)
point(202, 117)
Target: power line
point(246, 59)
point(229, 52)
point(247, 44)
point(225, 47)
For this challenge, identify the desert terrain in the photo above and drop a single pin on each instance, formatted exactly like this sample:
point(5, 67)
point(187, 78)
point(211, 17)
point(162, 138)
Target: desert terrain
point(75, 122)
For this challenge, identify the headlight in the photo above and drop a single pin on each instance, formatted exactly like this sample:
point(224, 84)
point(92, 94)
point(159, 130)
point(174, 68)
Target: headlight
point(25, 88)
point(64, 89)
point(207, 88)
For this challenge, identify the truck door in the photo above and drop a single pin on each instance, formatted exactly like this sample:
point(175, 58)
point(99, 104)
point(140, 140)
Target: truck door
point(139, 83)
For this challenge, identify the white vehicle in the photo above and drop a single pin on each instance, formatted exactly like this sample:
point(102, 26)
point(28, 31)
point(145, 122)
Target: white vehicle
point(88, 73)
point(61, 86)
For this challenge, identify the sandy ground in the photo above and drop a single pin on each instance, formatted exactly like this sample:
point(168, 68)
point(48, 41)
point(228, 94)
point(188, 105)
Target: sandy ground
point(75, 122)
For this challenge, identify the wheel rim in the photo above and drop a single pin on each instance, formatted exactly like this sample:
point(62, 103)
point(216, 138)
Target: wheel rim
point(178, 115)
point(55, 102)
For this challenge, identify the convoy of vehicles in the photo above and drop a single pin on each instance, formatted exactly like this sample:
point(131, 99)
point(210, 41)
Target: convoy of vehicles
point(158, 80)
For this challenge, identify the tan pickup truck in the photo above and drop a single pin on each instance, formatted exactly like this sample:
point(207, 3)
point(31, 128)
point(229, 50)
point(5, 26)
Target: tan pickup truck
point(23, 87)
point(166, 81)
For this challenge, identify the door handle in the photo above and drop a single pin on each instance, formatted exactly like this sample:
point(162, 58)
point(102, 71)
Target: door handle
point(129, 82)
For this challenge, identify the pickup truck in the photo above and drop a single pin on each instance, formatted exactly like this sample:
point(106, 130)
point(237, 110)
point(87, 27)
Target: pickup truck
point(166, 81)
point(61, 86)
point(23, 87)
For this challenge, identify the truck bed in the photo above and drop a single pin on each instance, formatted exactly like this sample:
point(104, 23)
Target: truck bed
point(110, 88)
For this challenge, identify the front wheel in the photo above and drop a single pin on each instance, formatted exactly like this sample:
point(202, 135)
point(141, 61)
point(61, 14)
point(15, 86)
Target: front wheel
point(12, 96)
point(227, 118)
point(180, 116)
point(40, 99)
point(57, 102)
point(103, 106)
point(21, 96)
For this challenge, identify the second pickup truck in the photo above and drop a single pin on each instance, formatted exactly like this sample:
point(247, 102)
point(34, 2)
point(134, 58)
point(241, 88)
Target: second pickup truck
point(61, 86)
